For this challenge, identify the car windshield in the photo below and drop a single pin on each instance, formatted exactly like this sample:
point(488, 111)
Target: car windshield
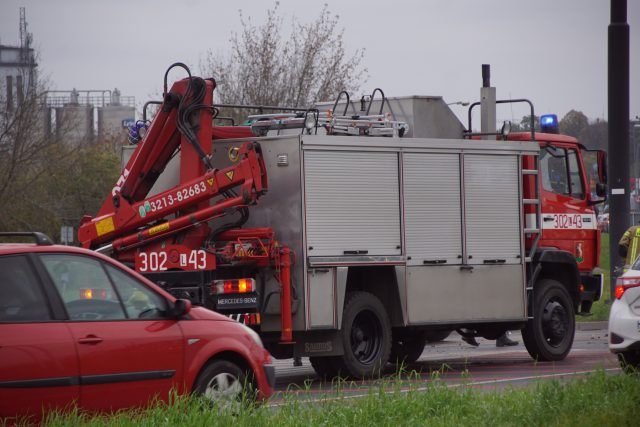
point(636, 265)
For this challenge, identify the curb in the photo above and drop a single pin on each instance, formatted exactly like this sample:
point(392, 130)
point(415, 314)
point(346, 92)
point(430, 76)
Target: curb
point(592, 326)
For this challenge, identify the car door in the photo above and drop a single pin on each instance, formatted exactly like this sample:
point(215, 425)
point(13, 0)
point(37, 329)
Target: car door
point(128, 351)
point(38, 361)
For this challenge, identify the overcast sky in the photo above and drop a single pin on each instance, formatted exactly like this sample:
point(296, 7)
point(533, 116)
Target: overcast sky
point(553, 52)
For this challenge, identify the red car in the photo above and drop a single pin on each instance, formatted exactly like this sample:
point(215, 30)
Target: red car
point(78, 328)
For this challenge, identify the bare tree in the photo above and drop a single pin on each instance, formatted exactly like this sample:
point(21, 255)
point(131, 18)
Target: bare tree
point(268, 67)
point(25, 144)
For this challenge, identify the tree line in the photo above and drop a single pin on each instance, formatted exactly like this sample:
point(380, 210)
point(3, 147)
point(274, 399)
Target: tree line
point(592, 134)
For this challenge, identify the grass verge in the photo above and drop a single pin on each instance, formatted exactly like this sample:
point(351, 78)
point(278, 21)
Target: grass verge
point(597, 400)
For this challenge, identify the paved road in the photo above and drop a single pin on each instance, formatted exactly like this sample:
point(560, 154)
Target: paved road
point(456, 362)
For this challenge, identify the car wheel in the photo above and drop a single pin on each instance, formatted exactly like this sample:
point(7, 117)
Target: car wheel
point(629, 361)
point(366, 336)
point(223, 382)
point(549, 335)
point(407, 350)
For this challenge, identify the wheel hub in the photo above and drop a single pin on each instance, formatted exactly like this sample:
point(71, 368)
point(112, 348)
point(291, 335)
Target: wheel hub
point(555, 322)
point(365, 337)
point(223, 387)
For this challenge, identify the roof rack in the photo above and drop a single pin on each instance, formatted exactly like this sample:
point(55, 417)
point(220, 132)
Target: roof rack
point(369, 125)
point(40, 238)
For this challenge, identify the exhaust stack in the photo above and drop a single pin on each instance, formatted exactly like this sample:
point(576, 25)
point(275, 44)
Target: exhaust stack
point(487, 103)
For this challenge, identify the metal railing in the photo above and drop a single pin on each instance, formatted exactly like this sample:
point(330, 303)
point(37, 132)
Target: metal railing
point(94, 101)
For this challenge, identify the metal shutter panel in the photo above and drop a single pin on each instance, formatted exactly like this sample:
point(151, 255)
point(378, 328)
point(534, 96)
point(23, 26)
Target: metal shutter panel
point(432, 207)
point(492, 209)
point(352, 202)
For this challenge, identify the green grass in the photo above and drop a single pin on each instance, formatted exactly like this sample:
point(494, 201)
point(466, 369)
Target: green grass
point(598, 400)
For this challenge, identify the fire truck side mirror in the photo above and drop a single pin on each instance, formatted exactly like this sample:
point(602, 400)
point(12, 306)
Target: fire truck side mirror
point(602, 167)
point(601, 189)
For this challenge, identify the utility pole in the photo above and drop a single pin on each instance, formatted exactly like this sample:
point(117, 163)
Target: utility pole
point(618, 131)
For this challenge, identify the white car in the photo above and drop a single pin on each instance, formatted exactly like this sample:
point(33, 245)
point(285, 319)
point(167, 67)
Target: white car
point(624, 319)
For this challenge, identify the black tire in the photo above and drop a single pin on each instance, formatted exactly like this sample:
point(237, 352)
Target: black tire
point(436, 336)
point(407, 350)
point(549, 335)
point(366, 336)
point(327, 368)
point(629, 361)
point(223, 382)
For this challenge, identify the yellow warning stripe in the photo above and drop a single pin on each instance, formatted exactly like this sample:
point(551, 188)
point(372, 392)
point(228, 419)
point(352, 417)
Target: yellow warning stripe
point(634, 247)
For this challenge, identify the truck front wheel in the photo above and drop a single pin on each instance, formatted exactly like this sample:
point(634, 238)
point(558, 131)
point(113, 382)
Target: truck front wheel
point(366, 336)
point(549, 335)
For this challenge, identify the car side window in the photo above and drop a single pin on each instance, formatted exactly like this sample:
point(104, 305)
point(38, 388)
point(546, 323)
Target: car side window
point(84, 286)
point(139, 301)
point(21, 297)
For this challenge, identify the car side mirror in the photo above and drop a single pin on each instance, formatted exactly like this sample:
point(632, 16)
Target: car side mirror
point(180, 308)
point(601, 189)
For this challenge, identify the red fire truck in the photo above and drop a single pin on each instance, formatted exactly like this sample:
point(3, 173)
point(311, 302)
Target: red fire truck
point(353, 237)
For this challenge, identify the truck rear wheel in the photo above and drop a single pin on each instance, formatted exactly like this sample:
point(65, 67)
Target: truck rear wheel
point(549, 335)
point(366, 336)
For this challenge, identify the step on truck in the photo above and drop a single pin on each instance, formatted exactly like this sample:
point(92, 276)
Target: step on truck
point(352, 237)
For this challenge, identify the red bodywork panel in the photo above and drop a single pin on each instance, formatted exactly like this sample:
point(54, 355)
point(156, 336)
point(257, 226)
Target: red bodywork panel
point(227, 132)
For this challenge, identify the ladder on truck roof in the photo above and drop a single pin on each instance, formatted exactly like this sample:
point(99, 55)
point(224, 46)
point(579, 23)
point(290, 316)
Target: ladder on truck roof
point(310, 120)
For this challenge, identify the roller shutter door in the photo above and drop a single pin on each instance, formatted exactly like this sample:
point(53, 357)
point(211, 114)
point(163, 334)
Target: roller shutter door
point(492, 199)
point(352, 203)
point(432, 206)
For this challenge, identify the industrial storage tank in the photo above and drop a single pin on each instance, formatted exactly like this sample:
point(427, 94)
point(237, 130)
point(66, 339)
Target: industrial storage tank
point(74, 121)
point(115, 117)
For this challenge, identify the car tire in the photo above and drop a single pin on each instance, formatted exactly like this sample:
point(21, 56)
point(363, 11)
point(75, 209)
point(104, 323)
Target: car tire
point(549, 335)
point(222, 382)
point(407, 350)
point(366, 337)
point(629, 361)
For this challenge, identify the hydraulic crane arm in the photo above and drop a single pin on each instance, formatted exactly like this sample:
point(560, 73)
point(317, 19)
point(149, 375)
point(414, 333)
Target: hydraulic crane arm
point(184, 122)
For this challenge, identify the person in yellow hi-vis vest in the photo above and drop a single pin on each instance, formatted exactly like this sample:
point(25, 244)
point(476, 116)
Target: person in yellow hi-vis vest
point(628, 245)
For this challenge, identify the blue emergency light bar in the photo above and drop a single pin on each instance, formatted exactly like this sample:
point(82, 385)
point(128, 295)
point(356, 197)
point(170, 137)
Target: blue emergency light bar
point(549, 123)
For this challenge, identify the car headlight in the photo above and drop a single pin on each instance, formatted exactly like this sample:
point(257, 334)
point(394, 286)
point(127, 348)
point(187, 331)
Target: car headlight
point(253, 334)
